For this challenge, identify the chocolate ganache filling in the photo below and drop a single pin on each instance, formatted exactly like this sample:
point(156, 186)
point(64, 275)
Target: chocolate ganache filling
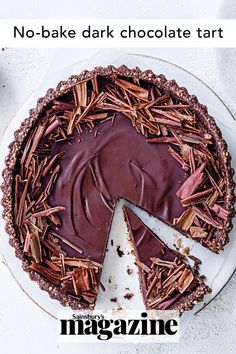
point(98, 168)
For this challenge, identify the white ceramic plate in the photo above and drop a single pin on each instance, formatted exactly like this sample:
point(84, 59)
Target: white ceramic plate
point(217, 268)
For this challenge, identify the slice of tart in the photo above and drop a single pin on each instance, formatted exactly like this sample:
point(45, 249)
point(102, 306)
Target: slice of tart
point(166, 281)
point(106, 134)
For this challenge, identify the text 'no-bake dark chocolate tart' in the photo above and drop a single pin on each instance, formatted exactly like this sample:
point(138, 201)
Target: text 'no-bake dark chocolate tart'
point(106, 134)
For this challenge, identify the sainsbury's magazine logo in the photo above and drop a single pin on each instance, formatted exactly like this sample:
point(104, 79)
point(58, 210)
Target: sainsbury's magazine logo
point(118, 326)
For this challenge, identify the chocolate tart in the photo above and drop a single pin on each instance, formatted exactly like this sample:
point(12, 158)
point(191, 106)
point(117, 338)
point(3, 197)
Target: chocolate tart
point(106, 134)
point(166, 281)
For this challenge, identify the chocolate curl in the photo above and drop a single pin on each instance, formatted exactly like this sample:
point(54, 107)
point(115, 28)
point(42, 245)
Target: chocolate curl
point(48, 273)
point(203, 215)
point(192, 183)
point(221, 212)
point(133, 89)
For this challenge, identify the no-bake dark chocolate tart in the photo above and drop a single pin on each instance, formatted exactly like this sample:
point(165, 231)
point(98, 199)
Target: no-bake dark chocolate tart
point(106, 134)
point(166, 281)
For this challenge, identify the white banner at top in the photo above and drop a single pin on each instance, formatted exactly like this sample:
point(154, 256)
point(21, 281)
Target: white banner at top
point(110, 33)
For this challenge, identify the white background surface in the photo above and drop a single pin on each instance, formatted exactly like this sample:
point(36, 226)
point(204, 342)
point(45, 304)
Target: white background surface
point(23, 327)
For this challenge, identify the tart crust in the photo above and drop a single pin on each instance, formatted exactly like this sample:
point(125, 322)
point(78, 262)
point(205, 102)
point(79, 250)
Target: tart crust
point(171, 87)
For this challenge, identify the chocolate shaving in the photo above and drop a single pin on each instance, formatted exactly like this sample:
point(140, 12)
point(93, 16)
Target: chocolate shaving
point(133, 89)
point(161, 140)
point(47, 273)
point(172, 279)
point(52, 247)
point(142, 266)
point(162, 263)
point(35, 141)
point(48, 168)
point(185, 280)
point(19, 216)
point(192, 183)
point(186, 220)
point(52, 265)
point(48, 212)
point(54, 125)
point(35, 247)
point(67, 242)
point(197, 232)
point(221, 212)
point(215, 195)
point(178, 158)
point(206, 217)
point(197, 197)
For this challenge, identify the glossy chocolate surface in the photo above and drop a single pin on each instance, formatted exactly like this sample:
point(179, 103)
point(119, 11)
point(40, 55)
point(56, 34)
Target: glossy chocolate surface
point(112, 161)
point(147, 244)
